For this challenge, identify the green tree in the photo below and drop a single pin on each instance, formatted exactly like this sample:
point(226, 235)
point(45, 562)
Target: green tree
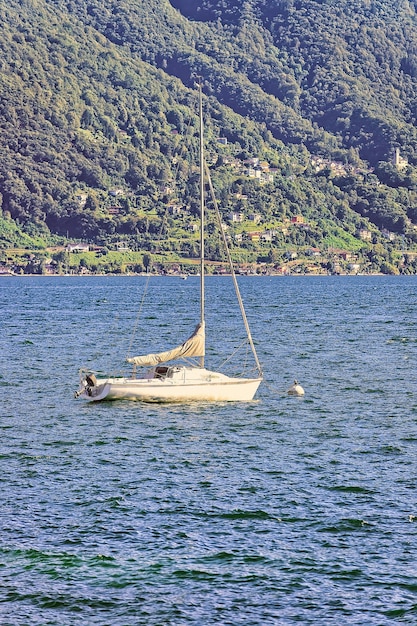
point(147, 262)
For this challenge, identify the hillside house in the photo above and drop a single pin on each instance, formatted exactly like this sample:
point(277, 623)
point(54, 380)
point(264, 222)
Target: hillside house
point(266, 236)
point(297, 219)
point(345, 255)
point(255, 217)
point(252, 162)
point(319, 164)
point(388, 235)
point(176, 210)
point(236, 217)
point(116, 193)
point(232, 162)
point(365, 234)
point(78, 247)
point(313, 252)
point(50, 266)
point(253, 173)
point(81, 199)
point(254, 235)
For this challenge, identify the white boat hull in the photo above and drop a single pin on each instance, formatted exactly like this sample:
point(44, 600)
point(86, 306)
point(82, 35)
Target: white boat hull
point(185, 385)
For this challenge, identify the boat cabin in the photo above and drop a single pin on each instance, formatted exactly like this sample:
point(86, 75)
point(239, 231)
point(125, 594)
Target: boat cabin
point(161, 371)
point(168, 371)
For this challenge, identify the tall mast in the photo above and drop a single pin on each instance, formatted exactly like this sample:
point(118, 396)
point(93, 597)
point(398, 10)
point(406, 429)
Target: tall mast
point(202, 292)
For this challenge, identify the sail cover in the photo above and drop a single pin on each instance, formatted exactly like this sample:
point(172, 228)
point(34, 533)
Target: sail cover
point(193, 346)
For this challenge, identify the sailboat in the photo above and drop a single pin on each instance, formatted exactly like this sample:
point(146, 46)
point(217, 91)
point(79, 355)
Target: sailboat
point(167, 378)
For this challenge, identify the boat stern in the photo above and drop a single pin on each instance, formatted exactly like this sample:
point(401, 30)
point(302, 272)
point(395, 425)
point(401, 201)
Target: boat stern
point(91, 388)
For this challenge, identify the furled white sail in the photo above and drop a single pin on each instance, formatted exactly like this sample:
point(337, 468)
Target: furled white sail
point(194, 346)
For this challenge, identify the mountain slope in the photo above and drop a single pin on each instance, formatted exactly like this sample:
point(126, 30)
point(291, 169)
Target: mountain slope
point(349, 70)
point(96, 96)
point(353, 67)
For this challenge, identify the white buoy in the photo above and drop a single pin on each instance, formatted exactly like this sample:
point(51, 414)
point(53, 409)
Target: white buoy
point(295, 389)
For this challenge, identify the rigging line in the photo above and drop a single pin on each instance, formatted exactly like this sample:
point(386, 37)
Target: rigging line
point(246, 366)
point(135, 325)
point(230, 357)
point(232, 270)
point(114, 342)
point(114, 333)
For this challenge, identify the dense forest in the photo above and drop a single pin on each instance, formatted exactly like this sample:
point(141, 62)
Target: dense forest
point(310, 114)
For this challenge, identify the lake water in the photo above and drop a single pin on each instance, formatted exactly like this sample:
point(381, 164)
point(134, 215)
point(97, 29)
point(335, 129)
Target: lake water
point(280, 511)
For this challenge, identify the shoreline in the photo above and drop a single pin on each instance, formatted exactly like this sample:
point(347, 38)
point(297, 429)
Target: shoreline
point(178, 276)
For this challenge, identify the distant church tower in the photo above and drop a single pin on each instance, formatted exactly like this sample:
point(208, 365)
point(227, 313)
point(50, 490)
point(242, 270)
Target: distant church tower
point(399, 162)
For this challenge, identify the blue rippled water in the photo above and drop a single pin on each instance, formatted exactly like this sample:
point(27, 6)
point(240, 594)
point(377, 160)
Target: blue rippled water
point(280, 511)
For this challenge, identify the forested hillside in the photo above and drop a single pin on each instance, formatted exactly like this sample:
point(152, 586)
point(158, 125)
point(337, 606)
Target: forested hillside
point(310, 111)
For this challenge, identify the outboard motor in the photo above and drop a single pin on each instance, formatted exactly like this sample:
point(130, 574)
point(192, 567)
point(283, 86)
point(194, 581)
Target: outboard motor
point(91, 380)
